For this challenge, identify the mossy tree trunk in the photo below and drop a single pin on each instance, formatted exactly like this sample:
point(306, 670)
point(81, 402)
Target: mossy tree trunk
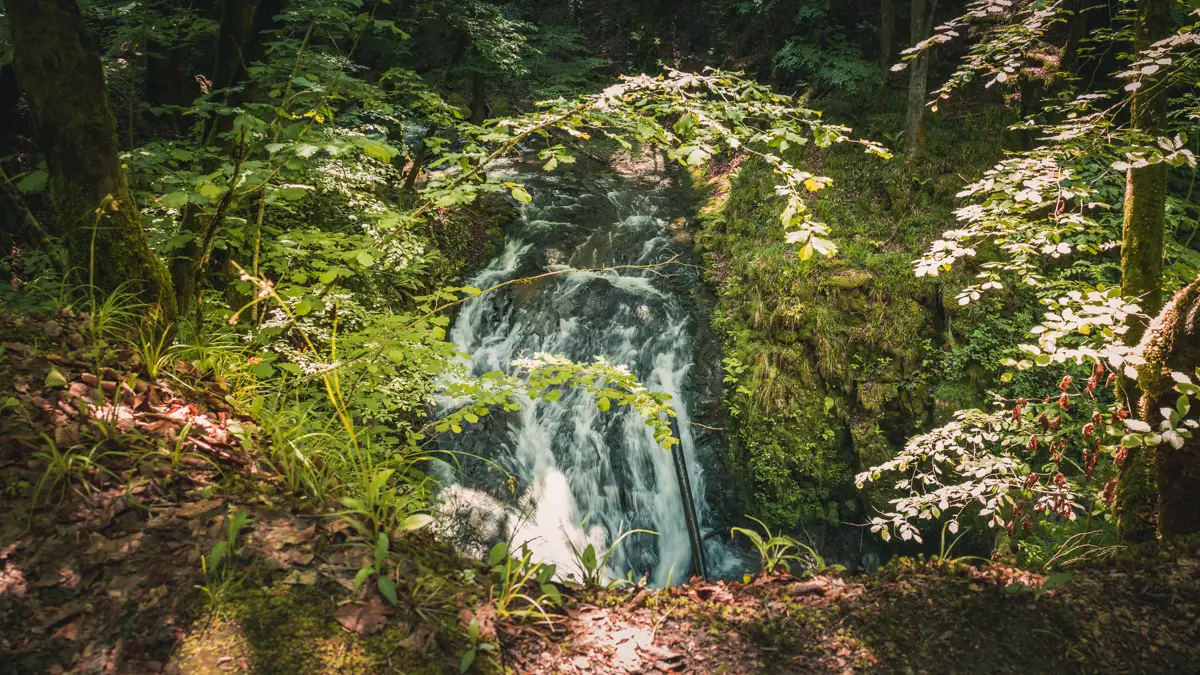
point(1142, 267)
point(58, 67)
point(1173, 345)
point(921, 25)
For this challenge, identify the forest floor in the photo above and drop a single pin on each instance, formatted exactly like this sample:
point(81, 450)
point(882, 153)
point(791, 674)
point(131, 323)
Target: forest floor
point(103, 572)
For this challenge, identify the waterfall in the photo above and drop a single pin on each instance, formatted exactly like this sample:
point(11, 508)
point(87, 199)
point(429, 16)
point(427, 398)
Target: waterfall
point(584, 475)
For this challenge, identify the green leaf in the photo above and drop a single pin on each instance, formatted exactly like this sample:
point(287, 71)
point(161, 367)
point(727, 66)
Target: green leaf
point(380, 151)
point(468, 658)
point(364, 259)
point(415, 522)
point(216, 556)
point(262, 370)
point(54, 378)
point(328, 277)
point(381, 548)
point(362, 576)
point(293, 192)
point(209, 190)
point(34, 181)
point(304, 307)
point(498, 554)
point(1056, 580)
point(174, 200)
point(387, 588)
point(521, 195)
point(551, 591)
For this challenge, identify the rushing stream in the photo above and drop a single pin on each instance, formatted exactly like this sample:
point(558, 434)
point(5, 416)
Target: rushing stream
point(579, 474)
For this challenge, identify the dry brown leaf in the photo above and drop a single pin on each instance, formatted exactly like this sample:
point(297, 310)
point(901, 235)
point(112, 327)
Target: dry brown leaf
point(363, 619)
point(198, 508)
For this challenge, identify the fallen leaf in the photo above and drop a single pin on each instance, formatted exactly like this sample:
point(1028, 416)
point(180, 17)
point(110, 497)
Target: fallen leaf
point(301, 578)
point(362, 619)
point(12, 581)
point(70, 630)
point(198, 508)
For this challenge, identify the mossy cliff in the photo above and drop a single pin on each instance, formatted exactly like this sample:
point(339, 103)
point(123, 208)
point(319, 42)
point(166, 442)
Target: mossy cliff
point(831, 363)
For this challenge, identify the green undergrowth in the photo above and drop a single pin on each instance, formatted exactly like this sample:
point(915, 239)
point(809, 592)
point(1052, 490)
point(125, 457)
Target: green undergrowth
point(831, 363)
point(291, 630)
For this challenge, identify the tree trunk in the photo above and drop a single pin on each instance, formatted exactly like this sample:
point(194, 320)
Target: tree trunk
point(1077, 25)
point(255, 46)
point(921, 23)
point(418, 162)
point(478, 98)
point(887, 30)
point(1173, 345)
point(183, 265)
point(58, 67)
point(236, 18)
point(168, 81)
point(1142, 267)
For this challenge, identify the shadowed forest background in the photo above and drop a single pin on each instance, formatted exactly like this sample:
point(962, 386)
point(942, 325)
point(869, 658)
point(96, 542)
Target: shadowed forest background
point(374, 336)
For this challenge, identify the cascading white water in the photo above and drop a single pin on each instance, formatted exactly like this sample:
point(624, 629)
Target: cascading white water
point(587, 475)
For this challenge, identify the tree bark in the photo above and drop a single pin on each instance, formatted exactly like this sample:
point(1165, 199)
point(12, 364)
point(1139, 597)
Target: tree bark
point(1076, 30)
point(478, 98)
point(418, 163)
point(921, 23)
point(58, 67)
point(1172, 344)
point(887, 30)
point(1141, 268)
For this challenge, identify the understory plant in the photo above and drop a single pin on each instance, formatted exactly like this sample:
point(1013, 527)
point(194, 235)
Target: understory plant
point(779, 552)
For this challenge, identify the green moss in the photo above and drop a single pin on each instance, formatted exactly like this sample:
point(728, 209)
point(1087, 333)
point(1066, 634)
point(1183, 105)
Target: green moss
point(290, 630)
point(838, 358)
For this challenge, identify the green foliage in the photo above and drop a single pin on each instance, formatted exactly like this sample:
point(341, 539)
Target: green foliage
point(1048, 215)
point(830, 363)
point(219, 565)
point(592, 568)
point(778, 552)
point(834, 62)
point(523, 588)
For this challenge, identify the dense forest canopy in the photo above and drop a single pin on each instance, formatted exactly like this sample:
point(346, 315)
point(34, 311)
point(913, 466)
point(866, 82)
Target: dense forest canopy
point(930, 268)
